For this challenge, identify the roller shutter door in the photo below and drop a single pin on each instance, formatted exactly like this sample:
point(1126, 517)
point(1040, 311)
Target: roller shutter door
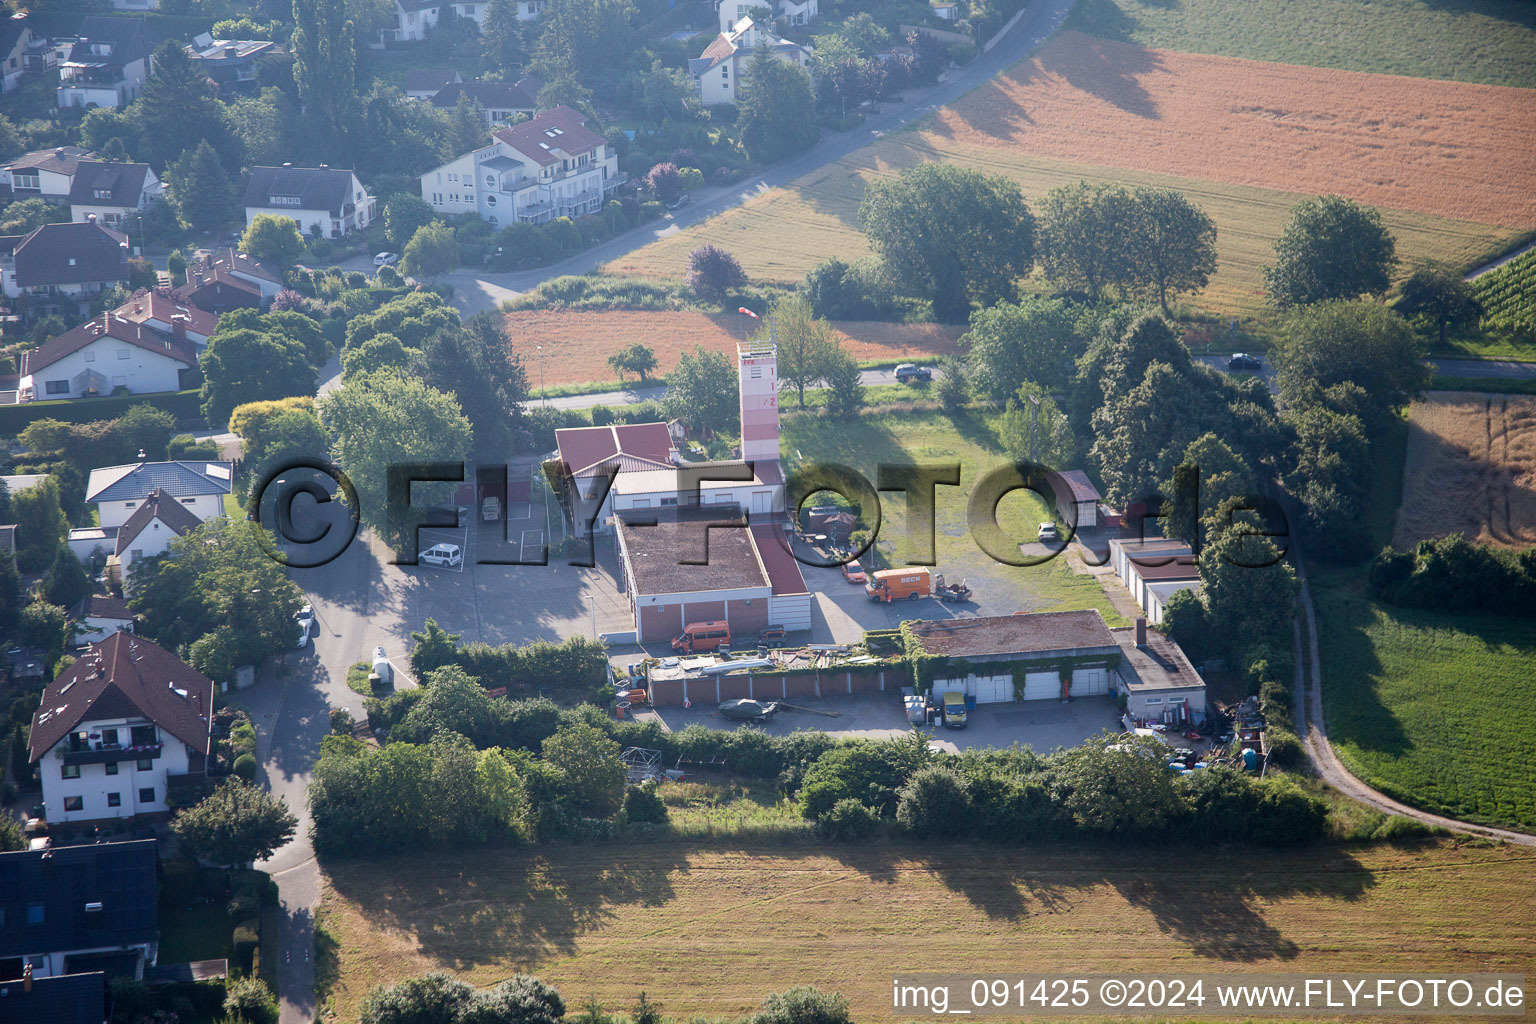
point(993, 689)
point(1042, 685)
point(1089, 682)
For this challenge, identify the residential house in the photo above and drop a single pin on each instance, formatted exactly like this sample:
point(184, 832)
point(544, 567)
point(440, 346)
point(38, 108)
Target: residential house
point(160, 310)
point(111, 193)
point(72, 910)
point(66, 999)
point(499, 102)
point(718, 70)
point(323, 201)
point(118, 491)
point(15, 40)
point(73, 261)
point(118, 728)
point(148, 533)
point(794, 12)
point(99, 616)
point(415, 18)
point(424, 83)
point(224, 279)
point(230, 63)
point(102, 355)
point(45, 173)
point(550, 166)
point(107, 64)
point(267, 278)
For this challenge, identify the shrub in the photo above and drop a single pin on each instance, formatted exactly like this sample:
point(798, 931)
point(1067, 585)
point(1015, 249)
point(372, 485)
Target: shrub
point(245, 767)
point(712, 272)
point(1283, 747)
point(802, 1004)
point(847, 821)
point(244, 904)
point(247, 937)
point(934, 804)
point(644, 804)
point(341, 721)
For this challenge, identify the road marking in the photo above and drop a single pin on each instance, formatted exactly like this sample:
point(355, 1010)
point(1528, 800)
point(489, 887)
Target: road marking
point(524, 544)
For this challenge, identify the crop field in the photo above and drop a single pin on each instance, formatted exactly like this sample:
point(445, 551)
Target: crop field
point(931, 438)
point(1434, 709)
point(1486, 41)
point(710, 931)
point(1508, 295)
point(1451, 150)
point(1470, 469)
point(577, 344)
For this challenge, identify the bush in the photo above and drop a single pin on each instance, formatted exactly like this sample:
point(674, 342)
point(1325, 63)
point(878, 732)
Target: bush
point(245, 903)
point(341, 721)
point(249, 1001)
point(245, 767)
point(644, 804)
point(713, 272)
point(802, 1004)
point(934, 804)
point(247, 937)
point(1283, 747)
point(847, 821)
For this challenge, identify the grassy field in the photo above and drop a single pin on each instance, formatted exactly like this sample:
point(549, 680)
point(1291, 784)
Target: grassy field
point(781, 234)
point(1485, 41)
point(1434, 709)
point(928, 438)
point(710, 931)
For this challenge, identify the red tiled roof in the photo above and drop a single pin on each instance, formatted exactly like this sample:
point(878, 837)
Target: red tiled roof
point(108, 325)
point(162, 306)
point(541, 136)
point(783, 570)
point(581, 448)
point(124, 676)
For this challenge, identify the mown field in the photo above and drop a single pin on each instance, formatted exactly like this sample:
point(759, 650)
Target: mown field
point(1486, 41)
point(710, 931)
point(969, 439)
point(1434, 709)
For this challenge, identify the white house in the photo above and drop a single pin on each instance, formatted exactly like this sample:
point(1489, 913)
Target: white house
point(75, 261)
point(118, 491)
point(102, 355)
point(550, 166)
point(98, 616)
point(118, 727)
point(323, 201)
point(110, 193)
point(148, 533)
point(717, 71)
point(499, 102)
point(796, 13)
point(15, 40)
point(108, 63)
point(45, 173)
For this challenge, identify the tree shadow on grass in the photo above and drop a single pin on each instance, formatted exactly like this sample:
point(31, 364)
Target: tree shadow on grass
point(1355, 712)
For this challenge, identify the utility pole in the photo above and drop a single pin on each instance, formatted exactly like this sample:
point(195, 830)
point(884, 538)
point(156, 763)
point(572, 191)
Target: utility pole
point(542, 399)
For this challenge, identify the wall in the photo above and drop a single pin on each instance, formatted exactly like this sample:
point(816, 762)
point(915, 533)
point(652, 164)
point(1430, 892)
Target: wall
point(776, 686)
point(204, 506)
point(151, 541)
point(94, 783)
point(121, 363)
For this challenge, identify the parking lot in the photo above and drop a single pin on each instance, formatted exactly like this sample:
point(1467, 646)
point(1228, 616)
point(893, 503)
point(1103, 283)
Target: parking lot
point(1042, 725)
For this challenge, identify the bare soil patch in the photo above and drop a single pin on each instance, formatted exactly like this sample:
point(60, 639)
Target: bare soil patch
point(1450, 149)
point(577, 344)
point(1470, 469)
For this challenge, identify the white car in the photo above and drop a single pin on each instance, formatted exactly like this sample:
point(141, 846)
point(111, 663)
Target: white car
point(1047, 532)
point(305, 617)
point(446, 555)
point(386, 259)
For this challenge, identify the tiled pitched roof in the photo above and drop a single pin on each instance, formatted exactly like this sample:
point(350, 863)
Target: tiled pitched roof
point(102, 606)
point(317, 188)
point(138, 480)
point(539, 137)
point(121, 676)
point(108, 325)
point(62, 160)
point(421, 79)
point(43, 257)
point(581, 448)
point(1027, 633)
point(162, 306)
point(121, 184)
point(490, 95)
point(130, 39)
point(243, 263)
point(159, 506)
point(119, 876)
point(63, 999)
point(11, 31)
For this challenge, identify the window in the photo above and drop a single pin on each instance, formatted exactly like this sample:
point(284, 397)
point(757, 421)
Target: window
point(114, 799)
point(109, 737)
point(136, 553)
point(147, 795)
point(143, 734)
point(1177, 700)
point(111, 767)
point(73, 803)
point(35, 910)
point(146, 764)
point(56, 387)
point(284, 200)
point(69, 771)
point(123, 353)
point(129, 504)
point(490, 181)
point(102, 193)
point(490, 200)
point(72, 261)
point(1154, 700)
point(189, 501)
point(668, 501)
point(90, 355)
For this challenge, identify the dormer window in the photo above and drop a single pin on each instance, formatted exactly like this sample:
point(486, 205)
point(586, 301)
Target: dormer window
point(102, 193)
point(284, 200)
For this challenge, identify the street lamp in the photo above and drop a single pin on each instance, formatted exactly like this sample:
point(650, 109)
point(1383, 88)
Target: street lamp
point(542, 399)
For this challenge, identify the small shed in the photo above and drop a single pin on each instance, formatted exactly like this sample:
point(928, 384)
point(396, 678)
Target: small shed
point(1077, 499)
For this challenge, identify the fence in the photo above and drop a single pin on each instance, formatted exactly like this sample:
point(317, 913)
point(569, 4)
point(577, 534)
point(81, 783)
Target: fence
point(776, 685)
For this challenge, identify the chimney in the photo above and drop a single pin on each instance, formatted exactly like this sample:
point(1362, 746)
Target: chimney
point(231, 51)
point(26, 978)
point(179, 327)
point(1141, 632)
point(59, 151)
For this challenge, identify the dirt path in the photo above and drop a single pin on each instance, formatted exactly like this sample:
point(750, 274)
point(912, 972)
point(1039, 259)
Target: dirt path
point(1311, 727)
point(1477, 272)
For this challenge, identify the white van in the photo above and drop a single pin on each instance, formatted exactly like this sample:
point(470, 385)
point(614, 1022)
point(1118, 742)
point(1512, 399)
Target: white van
point(446, 555)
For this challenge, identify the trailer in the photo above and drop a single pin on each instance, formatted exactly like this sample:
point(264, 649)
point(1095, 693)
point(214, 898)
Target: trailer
point(950, 592)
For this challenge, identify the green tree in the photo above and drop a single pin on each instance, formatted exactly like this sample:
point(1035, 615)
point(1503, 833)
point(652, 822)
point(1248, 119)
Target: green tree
point(432, 648)
point(638, 359)
point(10, 140)
point(1332, 248)
point(950, 235)
point(845, 387)
point(713, 272)
point(1034, 339)
point(201, 189)
point(934, 804)
point(27, 215)
point(143, 428)
point(234, 825)
point(43, 625)
point(249, 1001)
point(501, 37)
point(432, 251)
point(385, 419)
point(1109, 789)
point(479, 366)
point(324, 47)
point(702, 391)
point(1172, 244)
point(521, 999)
point(178, 110)
point(40, 525)
point(589, 762)
point(802, 1004)
point(288, 434)
point(242, 364)
point(1139, 437)
point(1437, 295)
point(1223, 475)
point(273, 238)
point(12, 838)
point(380, 352)
point(105, 130)
point(1084, 235)
point(467, 125)
point(1336, 341)
point(1034, 428)
point(434, 998)
point(450, 702)
point(263, 125)
point(1247, 590)
point(776, 109)
point(807, 346)
point(581, 38)
point(10, 592)
point(66, 582)
point(405, 214)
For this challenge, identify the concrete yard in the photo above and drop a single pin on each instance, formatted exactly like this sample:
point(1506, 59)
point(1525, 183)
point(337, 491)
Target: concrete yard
point(1042, 725)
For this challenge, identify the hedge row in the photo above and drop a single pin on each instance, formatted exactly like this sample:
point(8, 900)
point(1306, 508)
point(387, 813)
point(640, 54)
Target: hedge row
point(186, 406)
point(1454, 574)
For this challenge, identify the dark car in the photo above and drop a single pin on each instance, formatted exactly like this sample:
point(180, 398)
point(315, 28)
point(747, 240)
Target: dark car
point(1242, 361)
point(908, 372)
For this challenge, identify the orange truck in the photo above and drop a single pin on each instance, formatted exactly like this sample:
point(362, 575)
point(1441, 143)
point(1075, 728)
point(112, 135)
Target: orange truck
point(894, 584)
point(703, 636)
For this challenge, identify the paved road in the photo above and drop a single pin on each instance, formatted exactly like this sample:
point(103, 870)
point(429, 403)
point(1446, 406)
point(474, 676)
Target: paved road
point(1311, 727)
point(1484, 368)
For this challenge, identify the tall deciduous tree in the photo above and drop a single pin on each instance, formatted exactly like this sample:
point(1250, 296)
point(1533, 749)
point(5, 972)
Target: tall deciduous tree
point(1336, 341)
point(432, 251)
point(40, 525)
point(1035, 339)
point(479, 366)
point(777, 112)
point(404, 213)
point(324, 48)
point(1247, 590)
point(712, 272)
point(1439, 296)
point(589, 760)
point(1084, 231)
point(236, 824)
point(637, 359)
point(1034, 428)
point(806, 346)
point(701, 391)
point(1172, 244)
point(1332, 248)
point(274, 239)
point(249, 364)
point(951, 235)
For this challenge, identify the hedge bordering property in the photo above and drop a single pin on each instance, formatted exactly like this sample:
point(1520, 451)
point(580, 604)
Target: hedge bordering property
point(184, 405)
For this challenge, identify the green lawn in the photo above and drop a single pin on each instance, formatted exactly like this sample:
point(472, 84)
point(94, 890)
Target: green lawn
point(1436, 710)
point(928, 438)
point(191, 930)
point(1485, 41)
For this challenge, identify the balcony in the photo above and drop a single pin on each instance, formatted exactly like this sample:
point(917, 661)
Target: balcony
point(111, 755)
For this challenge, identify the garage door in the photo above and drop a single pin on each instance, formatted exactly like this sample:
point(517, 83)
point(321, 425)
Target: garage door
point(994, 689)
point(1088, 682)
point(1042, 686)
